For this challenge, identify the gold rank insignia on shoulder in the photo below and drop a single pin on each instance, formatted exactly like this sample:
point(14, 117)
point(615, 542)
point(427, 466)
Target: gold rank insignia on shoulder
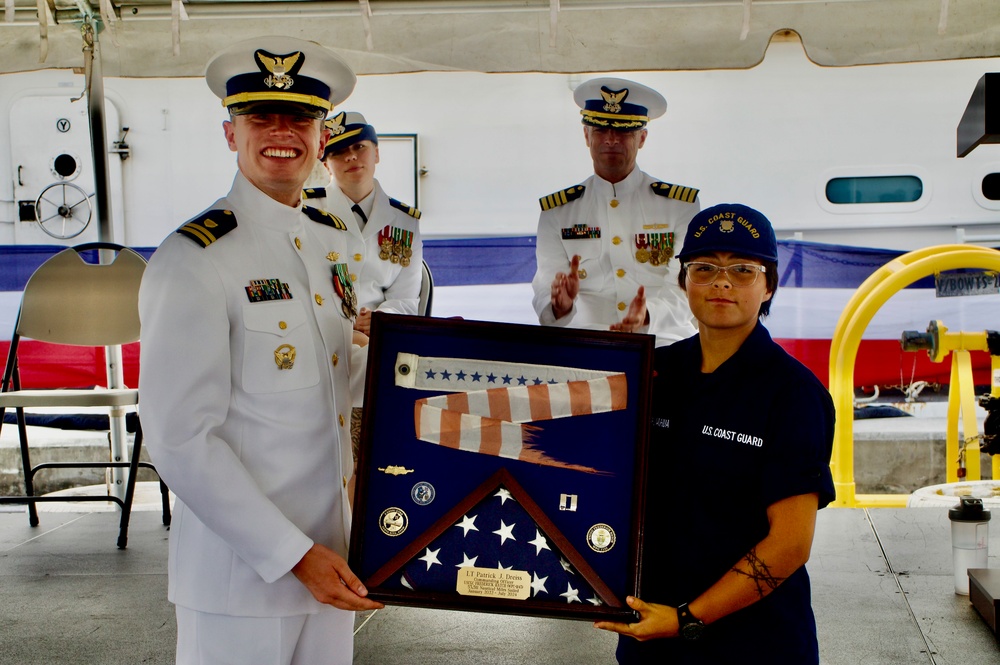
point(323, 217)
point(679, 192)
point(561, 197)
point(409, 210)
point(209, 227)
point(314, 193)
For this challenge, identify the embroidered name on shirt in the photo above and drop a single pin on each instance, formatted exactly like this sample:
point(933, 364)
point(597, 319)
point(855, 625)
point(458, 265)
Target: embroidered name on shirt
point(732, 435)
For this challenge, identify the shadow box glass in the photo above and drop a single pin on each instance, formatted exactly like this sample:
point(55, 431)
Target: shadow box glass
point(501, 467)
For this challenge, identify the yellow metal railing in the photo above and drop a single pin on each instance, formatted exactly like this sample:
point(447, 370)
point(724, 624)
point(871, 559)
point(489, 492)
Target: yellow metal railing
point(866, 301)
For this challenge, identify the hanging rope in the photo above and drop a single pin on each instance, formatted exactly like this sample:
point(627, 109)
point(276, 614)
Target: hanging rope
point(943, 19)
point(366, 21)
point(553, 22)
point(43, 30)
point(177, 14)
point(746, 20)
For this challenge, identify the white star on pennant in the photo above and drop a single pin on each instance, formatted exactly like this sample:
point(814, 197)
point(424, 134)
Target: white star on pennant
point(539, 542)
point(466, 561)
point(565, 564)
point(595, 601)
point(571, 594)
point(430, 558)
point(505, 532)
point(468, 524)
point(402, 580)
point(504, 494)
point(538, 584)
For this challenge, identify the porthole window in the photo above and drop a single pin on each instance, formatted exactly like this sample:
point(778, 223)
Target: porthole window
point(874, 189)
point(991, 186)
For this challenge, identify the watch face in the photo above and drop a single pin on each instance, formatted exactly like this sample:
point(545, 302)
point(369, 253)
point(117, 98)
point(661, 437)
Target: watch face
point(693, 630)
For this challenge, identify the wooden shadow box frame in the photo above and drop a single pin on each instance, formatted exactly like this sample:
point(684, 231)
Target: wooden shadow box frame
point(502, 467)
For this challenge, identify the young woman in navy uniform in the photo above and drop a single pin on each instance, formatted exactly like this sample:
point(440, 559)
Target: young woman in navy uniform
point(384, 250)
point(740, 447)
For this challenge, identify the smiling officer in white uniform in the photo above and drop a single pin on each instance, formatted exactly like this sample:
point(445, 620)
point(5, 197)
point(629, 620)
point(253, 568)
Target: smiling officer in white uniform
point(385, 252)
point(604, 246)
point(246, 356)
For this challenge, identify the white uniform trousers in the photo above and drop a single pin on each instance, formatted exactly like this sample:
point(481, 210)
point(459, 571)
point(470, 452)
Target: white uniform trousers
point(325, 638)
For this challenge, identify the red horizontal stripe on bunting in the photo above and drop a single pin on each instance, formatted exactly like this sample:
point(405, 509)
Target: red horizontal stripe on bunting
point(45, 365)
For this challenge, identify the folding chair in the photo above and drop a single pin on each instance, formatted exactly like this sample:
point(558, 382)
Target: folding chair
point(426, 290)
point(69, 301)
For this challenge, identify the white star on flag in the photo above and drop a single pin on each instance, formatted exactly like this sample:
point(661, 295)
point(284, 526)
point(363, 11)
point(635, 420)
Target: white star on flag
point(468, 524)
point(500, 566)
point(571, 594)
point(538, 584)
point(565, 564)
point(430, 558)
point(466, 561)
point(505, 532)
point(539, 542)
point(504, 494)
point(595, 601)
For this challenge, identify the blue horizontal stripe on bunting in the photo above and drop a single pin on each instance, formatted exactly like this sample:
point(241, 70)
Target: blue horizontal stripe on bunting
point(511, 260)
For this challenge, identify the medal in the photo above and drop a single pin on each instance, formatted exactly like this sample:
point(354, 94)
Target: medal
point(344, 287)
point(642, 253)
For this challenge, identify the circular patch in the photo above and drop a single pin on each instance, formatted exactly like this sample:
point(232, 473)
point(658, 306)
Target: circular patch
point(393, 521)
point(422, 493)
point(601, 537)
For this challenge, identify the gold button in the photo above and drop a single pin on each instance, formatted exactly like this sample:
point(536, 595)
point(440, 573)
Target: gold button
point(582, 273)
point(614, 203)
point(354, 277)
point(345, 481)
point(319, 299)
point(282, 325)
point(621, 307)
point(616, 241)
point(335, 359)
point(298, 244)
point(341, 417)
point(620, 272)
point(357, 257)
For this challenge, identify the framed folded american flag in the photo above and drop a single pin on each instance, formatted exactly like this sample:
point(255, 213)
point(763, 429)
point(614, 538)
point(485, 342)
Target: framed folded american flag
point(501, 467)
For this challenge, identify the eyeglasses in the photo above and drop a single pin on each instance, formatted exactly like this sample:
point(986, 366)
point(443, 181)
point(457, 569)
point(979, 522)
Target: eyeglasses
point(740, 274)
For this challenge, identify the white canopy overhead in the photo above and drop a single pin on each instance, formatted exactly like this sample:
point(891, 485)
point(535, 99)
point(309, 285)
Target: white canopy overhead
point(142, 38)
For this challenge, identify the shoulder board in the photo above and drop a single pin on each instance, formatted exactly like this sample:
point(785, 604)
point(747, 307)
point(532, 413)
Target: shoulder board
point(679, 192)
point(314, 193)
point(209, 227)
point(323, 217)
point(399, 205)
point(561, 197)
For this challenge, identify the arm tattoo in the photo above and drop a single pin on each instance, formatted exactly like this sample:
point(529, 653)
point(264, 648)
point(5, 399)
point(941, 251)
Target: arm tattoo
point(759, 573)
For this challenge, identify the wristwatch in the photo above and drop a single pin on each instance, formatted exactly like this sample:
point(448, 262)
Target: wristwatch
point(690, 627)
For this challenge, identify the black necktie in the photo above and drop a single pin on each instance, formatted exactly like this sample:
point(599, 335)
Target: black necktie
point(360, 213)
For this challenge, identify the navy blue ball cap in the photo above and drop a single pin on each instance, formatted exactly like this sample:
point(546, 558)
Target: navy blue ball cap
point(730, 227)
point(620, 104)
point(346, 129)
point(281, 75)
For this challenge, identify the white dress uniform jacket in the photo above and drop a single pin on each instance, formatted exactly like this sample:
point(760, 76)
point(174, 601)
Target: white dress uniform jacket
point(610, 273)
point(380, 284)
point(259, 457)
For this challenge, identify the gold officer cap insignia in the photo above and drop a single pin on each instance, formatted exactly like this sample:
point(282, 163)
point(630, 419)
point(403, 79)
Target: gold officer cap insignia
point(336, 123)
point(279, 67)
point(613, 99)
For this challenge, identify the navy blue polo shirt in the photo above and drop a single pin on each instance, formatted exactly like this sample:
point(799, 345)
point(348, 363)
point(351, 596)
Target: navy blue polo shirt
point(723, 447)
